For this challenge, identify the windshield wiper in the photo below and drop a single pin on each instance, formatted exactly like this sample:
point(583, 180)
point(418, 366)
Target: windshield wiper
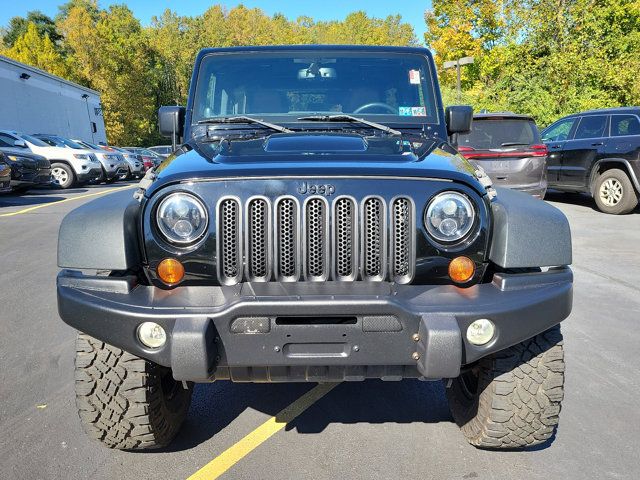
point(349, 118)
point(243, 119)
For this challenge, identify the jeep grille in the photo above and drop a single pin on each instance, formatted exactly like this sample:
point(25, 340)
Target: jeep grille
point(317, 240)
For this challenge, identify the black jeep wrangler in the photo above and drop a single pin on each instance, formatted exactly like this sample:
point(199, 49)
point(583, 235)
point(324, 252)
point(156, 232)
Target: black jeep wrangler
point(316, 225)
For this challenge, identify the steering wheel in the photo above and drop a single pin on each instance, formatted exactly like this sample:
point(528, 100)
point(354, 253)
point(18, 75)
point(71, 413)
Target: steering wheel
point(368, 106)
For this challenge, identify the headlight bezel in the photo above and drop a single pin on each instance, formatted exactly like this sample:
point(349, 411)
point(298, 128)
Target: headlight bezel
point(200, 233)
point(470, 233)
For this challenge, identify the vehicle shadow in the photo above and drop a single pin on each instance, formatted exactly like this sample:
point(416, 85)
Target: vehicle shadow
point(581, 199)
point(26, 201)
point(215, 406)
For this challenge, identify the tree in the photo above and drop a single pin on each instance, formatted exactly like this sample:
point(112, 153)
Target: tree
point(45, 27)
point(113, 56)
point(39, 51)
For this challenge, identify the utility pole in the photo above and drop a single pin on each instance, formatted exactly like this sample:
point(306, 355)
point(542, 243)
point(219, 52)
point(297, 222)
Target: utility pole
point(457, 64)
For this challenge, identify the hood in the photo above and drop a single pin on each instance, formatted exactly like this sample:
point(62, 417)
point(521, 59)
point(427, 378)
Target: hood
point(316, 154)
point(32, 158)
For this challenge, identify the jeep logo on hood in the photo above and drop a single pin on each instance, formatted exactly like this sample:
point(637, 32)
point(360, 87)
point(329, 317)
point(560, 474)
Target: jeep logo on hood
point(326, 189)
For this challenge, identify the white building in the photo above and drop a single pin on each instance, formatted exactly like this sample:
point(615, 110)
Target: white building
point(34, 101)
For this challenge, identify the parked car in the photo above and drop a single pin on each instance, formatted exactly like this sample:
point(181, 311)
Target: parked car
point(69, 167)
point(508, 147)
point(162, 150)
point(5, 174)
point(127, 168)
point(148, 156)
point(597, 152)
point(129, 156)
point(27, 169)
point(112, 166)
point(293, 246)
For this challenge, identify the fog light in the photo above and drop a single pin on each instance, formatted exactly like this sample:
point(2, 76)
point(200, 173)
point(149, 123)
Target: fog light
point(480, 332)
point(170, 271)
point(152, 335)
point(461, 269)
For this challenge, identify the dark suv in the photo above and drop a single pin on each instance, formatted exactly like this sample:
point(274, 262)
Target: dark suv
point(508, 147)
point(316, 225)
point(597, 152)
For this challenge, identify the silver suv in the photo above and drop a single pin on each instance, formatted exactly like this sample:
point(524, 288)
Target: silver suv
point(69, 166)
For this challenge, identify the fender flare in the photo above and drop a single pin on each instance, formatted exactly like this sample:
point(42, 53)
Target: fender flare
point(527, 232)
point(101, 234)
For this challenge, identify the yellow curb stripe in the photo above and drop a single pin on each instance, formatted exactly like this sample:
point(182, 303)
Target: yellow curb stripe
point(43, 205)
point(237, 452)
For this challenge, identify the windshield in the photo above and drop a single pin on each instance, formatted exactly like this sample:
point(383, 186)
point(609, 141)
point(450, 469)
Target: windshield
point(33, 140)
point(89, 145)
point(61, 142)
point(282, 86)
point(500, 133)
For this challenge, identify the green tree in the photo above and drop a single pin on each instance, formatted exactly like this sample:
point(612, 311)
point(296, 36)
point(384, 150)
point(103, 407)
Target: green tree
point(112, 55)
point(17, 27)
point(39, 51)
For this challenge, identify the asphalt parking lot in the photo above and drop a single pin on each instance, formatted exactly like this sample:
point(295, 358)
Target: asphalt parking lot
point(356, 430)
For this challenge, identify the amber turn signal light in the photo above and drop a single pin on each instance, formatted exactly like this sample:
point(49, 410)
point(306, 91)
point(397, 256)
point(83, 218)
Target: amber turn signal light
point(461, 269)
point(170, 271)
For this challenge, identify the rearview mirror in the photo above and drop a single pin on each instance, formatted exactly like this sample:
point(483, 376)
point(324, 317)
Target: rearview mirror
point(458, 119)
point(20, 143)
point(171, 123)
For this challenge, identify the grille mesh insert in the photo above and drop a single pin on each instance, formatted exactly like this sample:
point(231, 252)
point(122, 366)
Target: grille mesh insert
point(230, 251)
point(286, 238)
point(373, 237)
point(402, 237)
point(258, 223)
point(344, 241)
point(316, 237)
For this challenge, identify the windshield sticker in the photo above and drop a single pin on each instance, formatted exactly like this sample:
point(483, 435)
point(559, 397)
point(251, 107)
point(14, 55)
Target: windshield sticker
point(414, 77)
point(412, 111)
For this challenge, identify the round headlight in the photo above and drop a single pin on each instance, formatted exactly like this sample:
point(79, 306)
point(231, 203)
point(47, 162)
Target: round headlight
point(449, 217)
point(182, 218)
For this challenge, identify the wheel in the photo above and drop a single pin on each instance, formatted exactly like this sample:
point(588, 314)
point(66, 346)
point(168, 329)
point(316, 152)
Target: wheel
point(512, 398)
point(614, 192)
point(62, 175)
point(128, 175)
point(124, 401)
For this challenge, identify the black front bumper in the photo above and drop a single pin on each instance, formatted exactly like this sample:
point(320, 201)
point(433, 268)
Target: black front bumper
point(315, 331)
point(90, 175)
point(24, 177)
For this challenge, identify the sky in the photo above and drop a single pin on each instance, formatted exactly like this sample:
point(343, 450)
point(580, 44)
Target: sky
point(412, 11)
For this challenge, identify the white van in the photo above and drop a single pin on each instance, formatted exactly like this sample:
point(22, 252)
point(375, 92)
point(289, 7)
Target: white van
point(69, 167)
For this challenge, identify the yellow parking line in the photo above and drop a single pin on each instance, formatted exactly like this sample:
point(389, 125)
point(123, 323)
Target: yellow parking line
point(237, 452)
point(78, 197)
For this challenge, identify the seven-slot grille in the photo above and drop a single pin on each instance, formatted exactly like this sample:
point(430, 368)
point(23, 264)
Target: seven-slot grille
point(284, 240)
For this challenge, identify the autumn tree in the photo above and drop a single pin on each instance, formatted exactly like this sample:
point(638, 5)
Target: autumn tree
point(39, 51)
point(18, 26)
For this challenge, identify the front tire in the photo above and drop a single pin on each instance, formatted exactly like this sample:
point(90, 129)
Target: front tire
point(62, 175)
point(124, 401)
point(512, 399)
point(614, 192)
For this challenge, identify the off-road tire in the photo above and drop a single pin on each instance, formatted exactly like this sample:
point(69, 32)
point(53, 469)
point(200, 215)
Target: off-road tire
point(620, 179)
point(124, 401)
point(512, 399)
point(70, 175)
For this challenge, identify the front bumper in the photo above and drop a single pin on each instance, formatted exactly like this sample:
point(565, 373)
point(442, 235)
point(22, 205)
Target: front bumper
point(90, 175)
point(22, 177)
point(331, 331)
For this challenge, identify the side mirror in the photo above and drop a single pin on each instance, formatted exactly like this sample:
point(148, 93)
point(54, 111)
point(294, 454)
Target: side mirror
point(458, 119)
point(171, 123)
point(20, 143)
